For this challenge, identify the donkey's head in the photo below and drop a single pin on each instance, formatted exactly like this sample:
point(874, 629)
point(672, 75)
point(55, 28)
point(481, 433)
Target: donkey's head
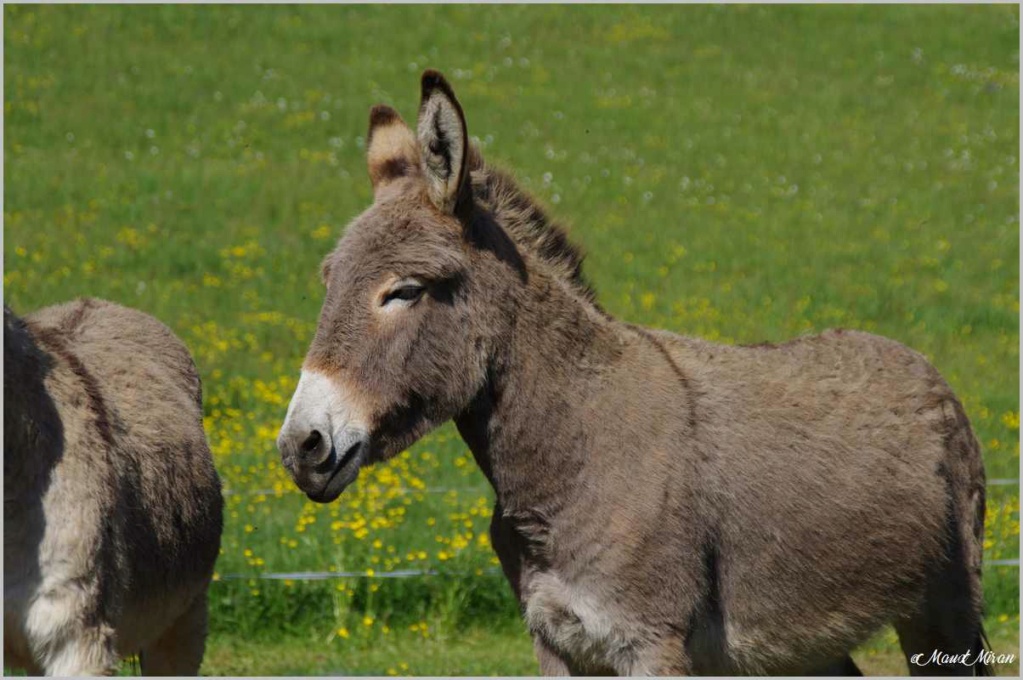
point(414, 293)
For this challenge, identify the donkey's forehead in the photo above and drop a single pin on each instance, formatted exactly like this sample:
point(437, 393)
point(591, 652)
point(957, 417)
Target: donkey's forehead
point(399, 219)
point(398, 235)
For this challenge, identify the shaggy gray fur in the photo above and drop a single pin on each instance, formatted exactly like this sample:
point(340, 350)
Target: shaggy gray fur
point(665, 505)
point(112, 507)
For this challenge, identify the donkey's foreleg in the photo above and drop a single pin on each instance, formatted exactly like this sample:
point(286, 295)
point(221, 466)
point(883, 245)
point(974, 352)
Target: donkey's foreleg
point(506, 544)
point(551, 664)
point(666, 657)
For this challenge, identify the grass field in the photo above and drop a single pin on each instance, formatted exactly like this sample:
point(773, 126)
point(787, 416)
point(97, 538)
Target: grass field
point(738, 173)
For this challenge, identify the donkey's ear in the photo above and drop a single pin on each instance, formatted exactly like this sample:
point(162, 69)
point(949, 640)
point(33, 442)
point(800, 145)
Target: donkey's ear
point(443, 142)
point(391, 150)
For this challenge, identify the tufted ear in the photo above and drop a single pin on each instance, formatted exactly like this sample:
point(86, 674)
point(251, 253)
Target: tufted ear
point(391, 150)
point(443, 142)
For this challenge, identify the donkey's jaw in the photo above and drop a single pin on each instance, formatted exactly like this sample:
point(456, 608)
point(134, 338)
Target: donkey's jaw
point(325, 439)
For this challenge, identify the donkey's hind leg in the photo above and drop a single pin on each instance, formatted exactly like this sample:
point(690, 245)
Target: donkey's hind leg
point(179, 650)
point(68, 634)
point(89, 652)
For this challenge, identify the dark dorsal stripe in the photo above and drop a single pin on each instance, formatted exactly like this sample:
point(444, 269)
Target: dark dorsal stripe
point(53, 342)
point(683, 379)
point(71, 322)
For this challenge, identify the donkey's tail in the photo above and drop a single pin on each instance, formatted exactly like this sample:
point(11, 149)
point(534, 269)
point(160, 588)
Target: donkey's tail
point(982, 649)
point(974, 509)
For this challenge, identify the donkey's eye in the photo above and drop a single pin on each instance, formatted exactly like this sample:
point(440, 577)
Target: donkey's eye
point(404, 293)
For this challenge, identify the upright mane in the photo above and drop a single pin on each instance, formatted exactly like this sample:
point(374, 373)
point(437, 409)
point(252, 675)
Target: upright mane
point(528, 225)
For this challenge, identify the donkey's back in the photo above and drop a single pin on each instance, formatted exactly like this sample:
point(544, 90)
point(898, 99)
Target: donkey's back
point(844, 489)
point(115, 526)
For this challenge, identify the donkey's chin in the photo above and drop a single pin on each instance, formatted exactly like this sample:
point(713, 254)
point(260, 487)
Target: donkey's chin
point(324, 488)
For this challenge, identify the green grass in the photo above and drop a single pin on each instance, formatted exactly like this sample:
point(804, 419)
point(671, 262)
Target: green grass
point(476, 651)
point(739, 173)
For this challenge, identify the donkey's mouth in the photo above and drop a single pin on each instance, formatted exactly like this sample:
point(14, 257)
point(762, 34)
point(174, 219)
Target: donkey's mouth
point(340, 470)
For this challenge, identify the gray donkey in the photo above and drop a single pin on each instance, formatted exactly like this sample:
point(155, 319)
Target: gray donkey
point(665, 505)
point(112, 507)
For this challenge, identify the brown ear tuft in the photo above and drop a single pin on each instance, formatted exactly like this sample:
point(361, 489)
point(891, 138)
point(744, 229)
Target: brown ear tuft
point(391, 148)
point(382, 114)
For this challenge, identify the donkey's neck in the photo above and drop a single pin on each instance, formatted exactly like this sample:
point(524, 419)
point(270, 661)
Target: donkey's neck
point(526, 426)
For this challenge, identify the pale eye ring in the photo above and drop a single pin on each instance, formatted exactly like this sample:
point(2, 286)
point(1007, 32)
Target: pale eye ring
point(404, 293)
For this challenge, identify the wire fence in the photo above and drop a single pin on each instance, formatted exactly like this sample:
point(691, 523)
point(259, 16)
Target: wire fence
point(418, 573)
point(369, 573)
point(476, 489)
point(403, 490)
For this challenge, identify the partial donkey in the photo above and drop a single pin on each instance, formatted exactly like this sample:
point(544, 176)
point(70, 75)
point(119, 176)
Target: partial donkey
point(112, 506)
point(665, 505)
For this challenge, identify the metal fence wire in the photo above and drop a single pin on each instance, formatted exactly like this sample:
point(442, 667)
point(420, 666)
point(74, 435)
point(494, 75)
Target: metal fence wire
point(476, 489)
point(419, 573)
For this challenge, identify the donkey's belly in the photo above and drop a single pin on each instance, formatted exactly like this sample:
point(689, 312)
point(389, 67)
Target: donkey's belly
point(597, 635)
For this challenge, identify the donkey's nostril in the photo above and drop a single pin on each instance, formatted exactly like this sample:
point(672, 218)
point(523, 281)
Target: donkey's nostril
point(312, 442)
